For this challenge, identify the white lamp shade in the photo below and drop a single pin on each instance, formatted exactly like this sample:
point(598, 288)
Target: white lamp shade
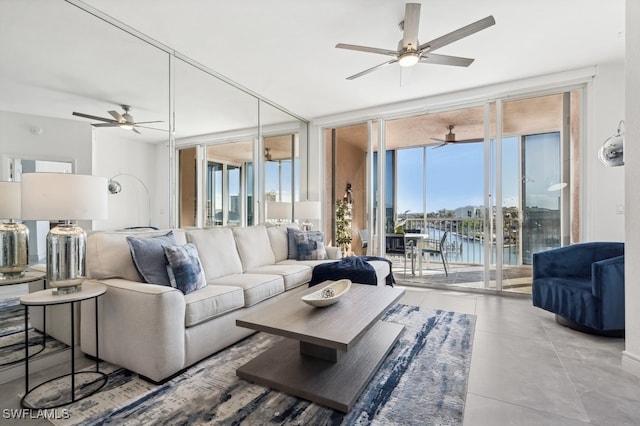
point(10, 200)
point(308, 210)
point(63, 196)
point(278, 210)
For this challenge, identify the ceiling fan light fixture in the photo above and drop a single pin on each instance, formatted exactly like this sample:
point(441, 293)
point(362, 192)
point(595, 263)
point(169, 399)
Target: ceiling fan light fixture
point(126, 126)
point(409, 59)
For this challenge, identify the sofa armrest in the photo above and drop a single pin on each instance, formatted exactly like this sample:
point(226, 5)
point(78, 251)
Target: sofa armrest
point(141, 327)
point(333, 253)
point(607, 284)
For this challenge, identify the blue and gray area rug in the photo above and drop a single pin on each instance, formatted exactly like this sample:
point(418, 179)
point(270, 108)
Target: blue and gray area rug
point(12, 335)
point(422, 381)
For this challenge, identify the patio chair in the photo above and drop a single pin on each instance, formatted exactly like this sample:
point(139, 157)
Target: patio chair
point(364, 237)
point(438, 247)
point(409, 250)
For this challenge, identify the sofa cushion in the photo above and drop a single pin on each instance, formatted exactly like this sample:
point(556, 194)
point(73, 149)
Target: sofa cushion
point(310, 245)
point(219, 255)
point(294, 275)
point(184, 268)
point(254, 246)
point(109, 255)
point(149, 258)
point(256, 287)
point(279, 242)
point(210, 302)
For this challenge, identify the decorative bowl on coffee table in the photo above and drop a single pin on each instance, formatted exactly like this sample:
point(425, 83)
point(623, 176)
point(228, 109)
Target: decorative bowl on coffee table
point(328, 295)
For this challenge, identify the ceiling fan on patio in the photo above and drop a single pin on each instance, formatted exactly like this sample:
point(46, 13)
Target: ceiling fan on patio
point(410, 51)
point(124, 120)
point(451, 138)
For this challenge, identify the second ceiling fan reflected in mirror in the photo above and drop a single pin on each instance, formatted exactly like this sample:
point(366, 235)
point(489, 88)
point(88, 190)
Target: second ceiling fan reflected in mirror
point(124, 120)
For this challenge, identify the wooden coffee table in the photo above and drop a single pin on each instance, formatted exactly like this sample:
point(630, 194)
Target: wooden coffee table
point(329, 354)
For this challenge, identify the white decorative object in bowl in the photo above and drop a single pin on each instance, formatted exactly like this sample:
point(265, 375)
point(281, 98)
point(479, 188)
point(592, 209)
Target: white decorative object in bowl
point(328, 295)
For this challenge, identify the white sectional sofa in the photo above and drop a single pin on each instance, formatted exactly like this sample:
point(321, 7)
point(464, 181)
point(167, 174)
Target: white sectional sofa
point(157, 331)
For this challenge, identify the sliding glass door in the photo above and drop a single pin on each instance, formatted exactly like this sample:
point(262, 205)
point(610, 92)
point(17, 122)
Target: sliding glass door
point(224, 197)
point(495, 180)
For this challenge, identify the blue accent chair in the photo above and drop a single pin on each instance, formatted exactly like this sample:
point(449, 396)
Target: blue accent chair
point(583, 284)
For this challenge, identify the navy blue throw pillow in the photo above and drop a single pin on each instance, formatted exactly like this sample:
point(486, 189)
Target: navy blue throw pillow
point(148, 257)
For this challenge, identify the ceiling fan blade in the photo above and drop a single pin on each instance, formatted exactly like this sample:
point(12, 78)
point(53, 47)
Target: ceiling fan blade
point(136, 130)
point(367, 49)
point(432, 58)
point(468, 141)
point(456, 35)
point(360, 74)
point(146, 122)
point(152, 128)
point(92, 117)
point(117, 116)
point(410, 26)
point(114, 124)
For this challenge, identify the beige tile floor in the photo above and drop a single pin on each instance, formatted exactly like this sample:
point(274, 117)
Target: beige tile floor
point(525, 368)
point(528, 370)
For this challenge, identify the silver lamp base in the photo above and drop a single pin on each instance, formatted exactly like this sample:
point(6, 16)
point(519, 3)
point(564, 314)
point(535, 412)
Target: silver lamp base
point(66, 250)
point(14, 250)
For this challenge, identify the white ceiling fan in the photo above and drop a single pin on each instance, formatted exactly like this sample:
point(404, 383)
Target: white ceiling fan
point(410, 51)
point(124, 120)
point(451, 138)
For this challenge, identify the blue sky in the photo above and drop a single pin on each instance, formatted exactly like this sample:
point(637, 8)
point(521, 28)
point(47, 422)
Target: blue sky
point(455, 176)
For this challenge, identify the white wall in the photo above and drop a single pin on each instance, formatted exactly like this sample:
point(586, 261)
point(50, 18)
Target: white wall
point(137, 167)
point(631, 355)
point(60, 140)
point(604, 185)
point(161, 203)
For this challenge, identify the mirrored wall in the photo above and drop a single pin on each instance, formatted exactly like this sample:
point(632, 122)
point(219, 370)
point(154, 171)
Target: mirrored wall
point(193, 149)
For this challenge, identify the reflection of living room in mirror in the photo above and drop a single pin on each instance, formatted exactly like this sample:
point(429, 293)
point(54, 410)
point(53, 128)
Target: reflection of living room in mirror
point(14, 236)
point(278, 212)
point(66, 198)
point(306, 212)
point(126, 189)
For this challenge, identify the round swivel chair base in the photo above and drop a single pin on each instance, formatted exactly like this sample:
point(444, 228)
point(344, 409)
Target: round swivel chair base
point(584, 329)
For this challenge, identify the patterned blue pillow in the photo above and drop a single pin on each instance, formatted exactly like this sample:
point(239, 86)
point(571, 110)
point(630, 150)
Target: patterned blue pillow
point(310, 245)
point(184, 268)
point(148, 257)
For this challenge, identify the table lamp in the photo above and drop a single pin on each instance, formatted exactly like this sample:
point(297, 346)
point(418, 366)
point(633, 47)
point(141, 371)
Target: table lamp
point(278, 211)
point(65, 198)
point(14, 236)
point(307, 211)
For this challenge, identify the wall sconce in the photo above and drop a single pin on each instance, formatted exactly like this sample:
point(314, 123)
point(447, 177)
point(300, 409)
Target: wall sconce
point(611, 153)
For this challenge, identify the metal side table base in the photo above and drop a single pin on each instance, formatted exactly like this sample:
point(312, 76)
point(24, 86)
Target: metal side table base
point(76, 385)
